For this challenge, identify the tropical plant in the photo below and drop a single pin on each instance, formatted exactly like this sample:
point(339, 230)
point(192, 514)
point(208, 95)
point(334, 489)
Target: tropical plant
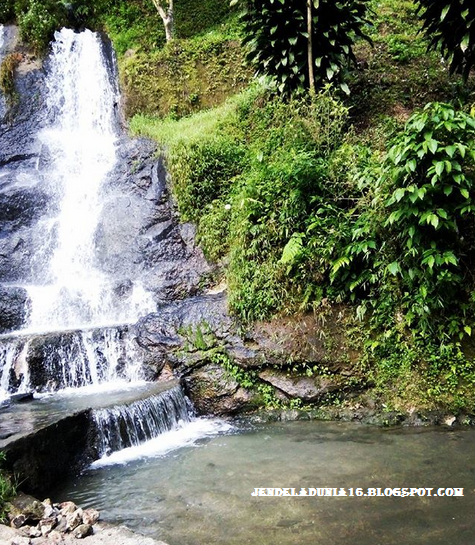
point(450, 27)
point(280, 45)
point(417, 243)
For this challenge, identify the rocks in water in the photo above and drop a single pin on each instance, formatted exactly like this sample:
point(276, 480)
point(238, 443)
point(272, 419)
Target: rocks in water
point(14, 308)
point(43, 519)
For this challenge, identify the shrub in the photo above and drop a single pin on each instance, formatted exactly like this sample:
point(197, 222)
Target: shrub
point(450, 27)
point(417, 243)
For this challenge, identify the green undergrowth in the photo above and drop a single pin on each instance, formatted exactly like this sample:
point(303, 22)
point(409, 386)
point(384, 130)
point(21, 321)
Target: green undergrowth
point(315, 201)
point(185, 76)
point(7, 490)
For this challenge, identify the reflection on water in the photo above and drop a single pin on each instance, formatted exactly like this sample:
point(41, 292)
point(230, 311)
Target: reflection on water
point(202, 494)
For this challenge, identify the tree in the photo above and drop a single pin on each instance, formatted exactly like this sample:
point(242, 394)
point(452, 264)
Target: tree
point(165, 10)
point(302, 44)
point(450, 27)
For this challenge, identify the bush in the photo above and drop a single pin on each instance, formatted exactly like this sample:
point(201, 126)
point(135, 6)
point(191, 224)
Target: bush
point(450, 27)
point(416, 244)
point(202, 172)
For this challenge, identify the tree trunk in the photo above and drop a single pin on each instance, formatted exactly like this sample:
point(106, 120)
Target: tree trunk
point(167, 17)
point(311, 76)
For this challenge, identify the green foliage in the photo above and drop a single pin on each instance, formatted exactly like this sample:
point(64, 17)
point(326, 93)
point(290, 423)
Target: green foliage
point(450, 27)
point(276, 38)
point(38, 21)
point(7, 490)
point(7, 77)
point(412, 251)
point(203, 172)
point(249, 380)
point(193, 17)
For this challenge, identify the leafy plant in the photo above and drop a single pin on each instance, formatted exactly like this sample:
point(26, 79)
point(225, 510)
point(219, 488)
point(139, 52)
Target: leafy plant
point(415, 246)
point(7, 490)
point(450, 27)
point(277, 38)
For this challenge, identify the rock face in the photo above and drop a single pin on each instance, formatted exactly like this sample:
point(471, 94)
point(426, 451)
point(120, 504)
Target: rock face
point(59, 450)
point(194, 337)
point(14, 308)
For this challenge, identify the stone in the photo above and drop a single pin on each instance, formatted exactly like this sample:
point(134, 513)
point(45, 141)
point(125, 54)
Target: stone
point(18, 521)
point(47, 524)
point(90, 516)
point(214, 392)
point(304, 388)
point(73, 520)
point(83, 531)
point(28, 506)
point(35, 531)
point(67, 507)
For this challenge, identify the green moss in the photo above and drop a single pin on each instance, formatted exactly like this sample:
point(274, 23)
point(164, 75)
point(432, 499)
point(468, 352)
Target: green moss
point(183, 77)
point(7, 77)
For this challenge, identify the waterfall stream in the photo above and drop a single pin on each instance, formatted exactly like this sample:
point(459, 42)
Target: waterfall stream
point(74, 296)
point(80, 149)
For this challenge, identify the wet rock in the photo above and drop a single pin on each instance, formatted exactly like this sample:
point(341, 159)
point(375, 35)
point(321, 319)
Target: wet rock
point(83, 531)
point(304, 388)
point(14, 308)
point(90, 516)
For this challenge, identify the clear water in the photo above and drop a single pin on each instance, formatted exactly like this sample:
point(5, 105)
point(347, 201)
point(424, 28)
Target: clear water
point(201, 494)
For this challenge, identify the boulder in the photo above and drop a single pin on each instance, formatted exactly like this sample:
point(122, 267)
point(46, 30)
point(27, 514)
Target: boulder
point(83, 531)
point(305, 388)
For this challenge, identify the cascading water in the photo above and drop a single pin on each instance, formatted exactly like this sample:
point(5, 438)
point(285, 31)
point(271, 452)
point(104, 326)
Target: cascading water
point(80, 286)
point(72, 294)
point(80, 149)
point(125, 426)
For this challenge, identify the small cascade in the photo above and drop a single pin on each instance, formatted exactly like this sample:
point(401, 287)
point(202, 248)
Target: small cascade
point(74, 359)
point(126, 426)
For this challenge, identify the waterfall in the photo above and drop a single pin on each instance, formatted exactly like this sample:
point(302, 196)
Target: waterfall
point(77, 308)
point(79, 152)
point(126, 426)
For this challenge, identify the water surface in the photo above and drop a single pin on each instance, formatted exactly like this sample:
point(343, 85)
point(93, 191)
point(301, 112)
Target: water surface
point(202, 494)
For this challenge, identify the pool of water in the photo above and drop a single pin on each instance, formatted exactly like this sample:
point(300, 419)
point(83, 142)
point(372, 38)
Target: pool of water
point(201, 494)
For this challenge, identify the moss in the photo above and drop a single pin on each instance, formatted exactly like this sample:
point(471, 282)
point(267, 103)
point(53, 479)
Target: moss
point(7, 77)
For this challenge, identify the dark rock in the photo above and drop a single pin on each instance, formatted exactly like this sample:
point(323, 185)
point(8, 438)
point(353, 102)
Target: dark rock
point(14, 308)
point(83, 531)
point(214, 392)
point(43, 458)
point(21, 398)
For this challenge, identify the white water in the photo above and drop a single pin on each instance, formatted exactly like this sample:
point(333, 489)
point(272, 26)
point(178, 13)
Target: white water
point(2, 39)
point(187, 434)
point(81, 146)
